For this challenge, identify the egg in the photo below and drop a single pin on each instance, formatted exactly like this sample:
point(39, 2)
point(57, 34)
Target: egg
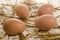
point(22, 11)
point(46, 22)
point(13, 26)
point(45, 9)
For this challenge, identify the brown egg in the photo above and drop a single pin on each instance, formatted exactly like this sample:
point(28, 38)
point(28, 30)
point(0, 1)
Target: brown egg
point(13, 26)
point(22, 11)
point(46, 22)
point(45, 9)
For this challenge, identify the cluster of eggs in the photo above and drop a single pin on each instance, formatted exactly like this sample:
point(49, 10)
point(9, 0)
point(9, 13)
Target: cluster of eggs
point(14, 26)
point(46, 21)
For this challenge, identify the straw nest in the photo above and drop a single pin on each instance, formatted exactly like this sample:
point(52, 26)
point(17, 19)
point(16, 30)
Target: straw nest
point(31, 33)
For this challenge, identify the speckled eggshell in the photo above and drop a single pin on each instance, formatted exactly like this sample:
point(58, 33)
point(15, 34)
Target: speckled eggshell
point(13, 26)
point(46, 22)
point(22, 11)
point(45, 9)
